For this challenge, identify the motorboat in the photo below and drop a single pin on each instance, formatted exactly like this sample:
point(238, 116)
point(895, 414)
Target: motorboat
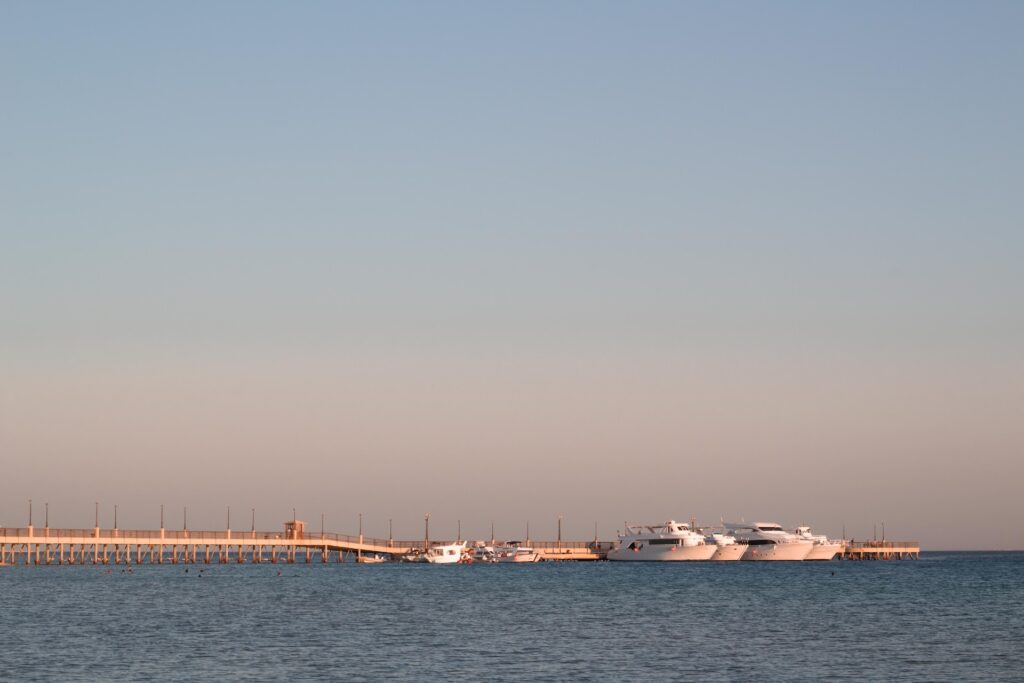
point(415, 555)
point(769, 541)
point(450, 553)
point(515, 552)
point(375, 558)
point(824, 548)
point(728, 548)
point(669, 542)
point(485, 553)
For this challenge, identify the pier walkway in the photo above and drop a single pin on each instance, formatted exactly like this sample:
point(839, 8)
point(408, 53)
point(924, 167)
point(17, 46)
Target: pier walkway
point(120, 546)
point(46, 546)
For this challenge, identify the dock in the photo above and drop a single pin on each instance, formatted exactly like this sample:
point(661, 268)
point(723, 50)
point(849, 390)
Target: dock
point(159, 546)
point(51, 546)
point(880, 550)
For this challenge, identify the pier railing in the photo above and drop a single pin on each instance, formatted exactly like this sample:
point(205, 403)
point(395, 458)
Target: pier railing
point(570, 545)
point(233, 535)
point(170, 535)
point(880, 544)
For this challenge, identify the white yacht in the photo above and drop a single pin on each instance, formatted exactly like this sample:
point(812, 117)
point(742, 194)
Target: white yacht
point(514, 552)
point(669, 542)
point(824, 548)
point(446, 554)
point(728, 547)
point(769, 541)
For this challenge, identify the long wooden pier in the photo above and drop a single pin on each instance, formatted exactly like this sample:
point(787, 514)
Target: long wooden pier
point(51, 546)
point(120, 546)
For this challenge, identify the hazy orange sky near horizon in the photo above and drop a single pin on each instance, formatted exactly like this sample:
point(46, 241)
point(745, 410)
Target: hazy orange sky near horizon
point(510, 264)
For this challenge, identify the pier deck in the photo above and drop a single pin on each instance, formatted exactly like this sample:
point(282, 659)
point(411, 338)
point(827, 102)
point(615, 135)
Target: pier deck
point(120, 546)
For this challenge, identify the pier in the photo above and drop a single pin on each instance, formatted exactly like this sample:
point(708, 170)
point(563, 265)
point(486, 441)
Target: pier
point(51, 546)
point(121, 546)
point(880, 550)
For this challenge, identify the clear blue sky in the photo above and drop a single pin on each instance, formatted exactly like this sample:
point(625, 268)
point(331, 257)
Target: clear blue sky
point(525, 242)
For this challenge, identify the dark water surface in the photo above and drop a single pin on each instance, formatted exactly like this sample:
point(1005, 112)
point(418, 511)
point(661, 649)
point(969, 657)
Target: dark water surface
point(946, 617)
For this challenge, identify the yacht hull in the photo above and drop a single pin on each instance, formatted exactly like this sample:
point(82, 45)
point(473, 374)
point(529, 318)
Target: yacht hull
point(779, 551)
point(664, 553)
point(824, 551)
point(725, 553)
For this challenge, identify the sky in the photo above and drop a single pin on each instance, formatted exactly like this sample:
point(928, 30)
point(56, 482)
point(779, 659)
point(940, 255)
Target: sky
point(510, 262)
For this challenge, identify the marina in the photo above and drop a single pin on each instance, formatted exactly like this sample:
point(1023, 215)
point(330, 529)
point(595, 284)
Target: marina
point(670, 541)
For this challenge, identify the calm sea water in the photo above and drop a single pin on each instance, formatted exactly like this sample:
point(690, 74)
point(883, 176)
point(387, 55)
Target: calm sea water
point(946, 617)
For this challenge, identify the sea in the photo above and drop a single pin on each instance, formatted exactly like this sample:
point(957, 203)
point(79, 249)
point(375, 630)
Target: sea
point(945, 617)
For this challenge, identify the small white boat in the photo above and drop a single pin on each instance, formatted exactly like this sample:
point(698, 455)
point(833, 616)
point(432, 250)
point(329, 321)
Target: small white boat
point(413, 556)
point(823, 549)
point(450, 553)
point(669, 542)
point(485, 553)
point(513, 552)
point(371, 559)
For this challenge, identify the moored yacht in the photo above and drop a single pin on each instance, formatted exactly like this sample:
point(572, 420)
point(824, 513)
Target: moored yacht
point(769, 541)
point(669, 542)
point(824, 548)
point(728, 547)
